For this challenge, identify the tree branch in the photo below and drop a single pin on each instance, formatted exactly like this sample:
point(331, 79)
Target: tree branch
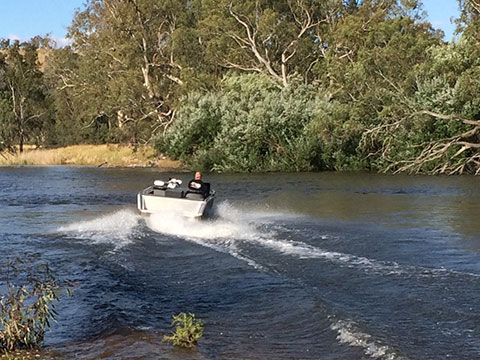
point(252, 43)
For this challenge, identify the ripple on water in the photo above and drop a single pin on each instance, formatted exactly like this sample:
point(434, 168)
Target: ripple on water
point(317, 267)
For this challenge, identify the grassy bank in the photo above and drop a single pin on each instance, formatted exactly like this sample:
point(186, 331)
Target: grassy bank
point(92, 155)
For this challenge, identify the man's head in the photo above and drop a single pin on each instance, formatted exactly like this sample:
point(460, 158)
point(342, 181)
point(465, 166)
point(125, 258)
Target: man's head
point(198, 175)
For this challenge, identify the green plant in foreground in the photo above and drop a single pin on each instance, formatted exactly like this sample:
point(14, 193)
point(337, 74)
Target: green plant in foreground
point(27, 304)
point(188, 330)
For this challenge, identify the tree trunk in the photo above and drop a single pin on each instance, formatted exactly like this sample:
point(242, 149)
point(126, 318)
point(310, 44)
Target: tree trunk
point(22, 123)
point(20, 145)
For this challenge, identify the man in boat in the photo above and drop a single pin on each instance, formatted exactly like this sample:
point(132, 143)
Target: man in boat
point(197, 186)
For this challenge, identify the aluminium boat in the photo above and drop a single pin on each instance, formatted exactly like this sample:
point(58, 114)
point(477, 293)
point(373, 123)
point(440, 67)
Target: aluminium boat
point(170, 197)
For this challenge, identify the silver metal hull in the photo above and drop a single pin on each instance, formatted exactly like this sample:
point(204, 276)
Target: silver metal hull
point(148, 203)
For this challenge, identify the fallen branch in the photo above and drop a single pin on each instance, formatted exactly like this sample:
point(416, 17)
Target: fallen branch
point(453, 155)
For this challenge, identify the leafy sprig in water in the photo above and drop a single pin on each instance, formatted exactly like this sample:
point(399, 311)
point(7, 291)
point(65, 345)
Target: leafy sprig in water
point(27, 303)
point(188, 330)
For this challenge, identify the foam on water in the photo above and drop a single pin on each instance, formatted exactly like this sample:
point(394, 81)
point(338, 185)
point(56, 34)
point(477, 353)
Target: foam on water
point(118, 228)
point(234, 226)
point(225, 233)
point(384, 268)
point(230, 224)
point(220, 234)
point(349, 333)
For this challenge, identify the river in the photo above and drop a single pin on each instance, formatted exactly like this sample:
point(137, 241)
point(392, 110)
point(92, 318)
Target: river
point(293, 266)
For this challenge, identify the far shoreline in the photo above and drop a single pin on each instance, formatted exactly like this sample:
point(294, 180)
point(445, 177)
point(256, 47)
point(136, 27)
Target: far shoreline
point(95, 156)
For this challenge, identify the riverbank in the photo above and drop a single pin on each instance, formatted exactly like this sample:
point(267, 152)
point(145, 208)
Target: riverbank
point(109, 155)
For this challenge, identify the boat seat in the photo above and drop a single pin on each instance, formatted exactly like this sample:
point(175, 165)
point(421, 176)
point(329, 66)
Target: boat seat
point(174, 193)
point(194, 196)
point(158, 192)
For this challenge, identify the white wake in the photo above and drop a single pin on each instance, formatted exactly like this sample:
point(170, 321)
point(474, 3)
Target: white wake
point(349, 333)
point(235, 226)
point(118, 229)
point(227, 232)
point(222, 233)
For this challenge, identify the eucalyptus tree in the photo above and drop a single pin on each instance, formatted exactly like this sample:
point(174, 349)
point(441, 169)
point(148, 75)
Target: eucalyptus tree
point(6, 134)
point(369, 65)
point(70, 105)
point(437, 128)
point(277, 38)
point(469, 15)
point(25, 105)
point(391, 95)
point(128, 71)
point(447, 103)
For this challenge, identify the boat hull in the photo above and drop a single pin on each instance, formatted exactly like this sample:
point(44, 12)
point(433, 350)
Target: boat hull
point(149, 203)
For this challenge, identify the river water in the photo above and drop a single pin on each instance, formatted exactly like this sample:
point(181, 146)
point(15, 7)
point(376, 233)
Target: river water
point(293, 266)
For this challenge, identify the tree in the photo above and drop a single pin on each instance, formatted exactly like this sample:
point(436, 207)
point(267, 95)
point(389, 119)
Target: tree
point(439, 129)
point(62, 78)
point(26, 108)
point(276, 38)
point(370, 66)
point(6, 134)
point(128, 72)
point(469, 15)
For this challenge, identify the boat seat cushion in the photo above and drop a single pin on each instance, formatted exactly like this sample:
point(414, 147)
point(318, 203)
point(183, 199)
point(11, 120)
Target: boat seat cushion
point(158, 192)
point(174, 193)
point(194, 196)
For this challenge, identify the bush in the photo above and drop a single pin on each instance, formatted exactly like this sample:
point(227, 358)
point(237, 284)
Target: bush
point(249, 125)
point(27, 307)
point(188, 330)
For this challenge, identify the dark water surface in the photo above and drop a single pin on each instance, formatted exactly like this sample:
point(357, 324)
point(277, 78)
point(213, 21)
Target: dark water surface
point(302, 266)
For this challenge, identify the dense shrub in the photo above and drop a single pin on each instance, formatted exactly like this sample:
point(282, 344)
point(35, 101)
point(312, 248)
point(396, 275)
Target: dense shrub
point(250, 125)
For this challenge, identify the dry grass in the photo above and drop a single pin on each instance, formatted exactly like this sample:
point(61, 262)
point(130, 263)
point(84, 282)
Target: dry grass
point(91, 155)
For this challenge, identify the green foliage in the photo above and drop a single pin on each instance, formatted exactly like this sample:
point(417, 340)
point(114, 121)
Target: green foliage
point(277, 38)
point(339, 136)
point(28, 305)
point(7, 135)
point(188, 330)
point(430, 129)
point(230, 85)
point(25, 103)
point(136, 59)
point(249, 125)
